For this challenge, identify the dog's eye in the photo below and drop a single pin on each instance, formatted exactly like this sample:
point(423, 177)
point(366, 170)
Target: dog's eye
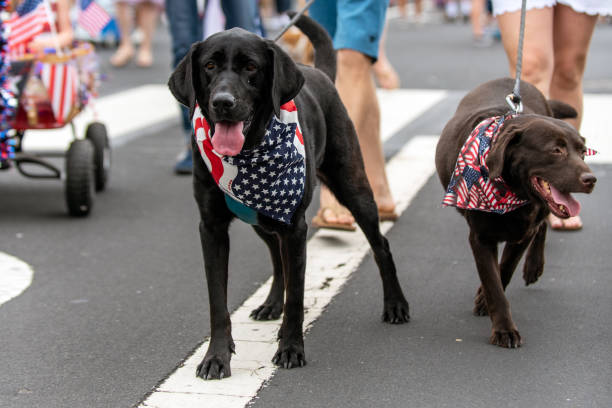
point(558, 150)
point(251, 67)
point(210, 65)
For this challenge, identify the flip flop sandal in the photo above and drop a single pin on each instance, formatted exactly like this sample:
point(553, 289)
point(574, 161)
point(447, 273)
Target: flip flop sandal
point(319, 222)
point(387, 215)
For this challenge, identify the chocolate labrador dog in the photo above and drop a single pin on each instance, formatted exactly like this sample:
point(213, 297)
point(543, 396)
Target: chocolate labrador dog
point(534, 162)
point(244, 92)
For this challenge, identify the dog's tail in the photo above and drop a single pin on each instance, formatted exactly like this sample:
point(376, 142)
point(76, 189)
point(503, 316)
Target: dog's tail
point(325, 56)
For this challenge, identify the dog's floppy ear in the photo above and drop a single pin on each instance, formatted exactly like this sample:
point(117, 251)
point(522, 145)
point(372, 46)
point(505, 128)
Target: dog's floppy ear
point(181, 81)
point(287, 80)
point(561, 110)
point(496, 158)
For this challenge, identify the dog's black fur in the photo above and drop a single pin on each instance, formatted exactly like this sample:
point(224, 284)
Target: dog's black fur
point(531, 147)
point(238, 76)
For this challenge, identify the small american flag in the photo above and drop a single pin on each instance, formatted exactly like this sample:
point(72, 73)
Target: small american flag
point(61, 81)
point(268, 179)
point(30, 20)
point(93, 18)
point(470, 187)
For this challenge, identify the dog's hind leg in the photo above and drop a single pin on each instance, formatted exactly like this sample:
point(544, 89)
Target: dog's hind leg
point(272, 307)
point(534, 261)
point(504, 332)
point(290, 351)
point(511, 256)
point(352, 190)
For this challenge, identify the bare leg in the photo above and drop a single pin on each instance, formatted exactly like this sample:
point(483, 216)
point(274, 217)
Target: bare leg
point(572, 37)
point(476, 18)
point(362, 106)
point(147, 14)
point(125, 51)
point(385, 73)
point(538, 57)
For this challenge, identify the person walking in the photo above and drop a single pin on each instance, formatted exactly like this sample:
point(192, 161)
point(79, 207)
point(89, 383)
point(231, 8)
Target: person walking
point(356, 28)
point(147, 14)
point(556, 44)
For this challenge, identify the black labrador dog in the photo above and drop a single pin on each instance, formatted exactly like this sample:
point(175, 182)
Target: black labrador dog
point(240, 82)
point(541, 160)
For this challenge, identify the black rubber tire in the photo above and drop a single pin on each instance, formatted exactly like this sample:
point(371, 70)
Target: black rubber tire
point(96, 132)
point(80, 177)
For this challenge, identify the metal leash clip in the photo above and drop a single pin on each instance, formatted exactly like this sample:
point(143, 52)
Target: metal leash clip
point(515, 103)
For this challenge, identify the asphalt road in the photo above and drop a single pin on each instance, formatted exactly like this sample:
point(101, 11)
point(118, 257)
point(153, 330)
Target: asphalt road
point(118, 299)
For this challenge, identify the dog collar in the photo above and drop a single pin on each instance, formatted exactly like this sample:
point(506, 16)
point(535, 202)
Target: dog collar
point(470, 187)
point(269, 179)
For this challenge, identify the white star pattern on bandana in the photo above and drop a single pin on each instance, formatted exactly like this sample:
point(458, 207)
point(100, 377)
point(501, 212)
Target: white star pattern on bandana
point(268, 179)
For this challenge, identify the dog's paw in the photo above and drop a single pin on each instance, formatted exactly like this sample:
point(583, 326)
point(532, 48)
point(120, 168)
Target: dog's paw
point(267, 311)
point(289, 356)
point(506, 338)
point(215, 365)
point(531, 273)
point(480, 304)
point(396, 312)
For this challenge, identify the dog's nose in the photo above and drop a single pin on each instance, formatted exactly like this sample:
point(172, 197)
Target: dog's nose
point(224, 100)
point(588, 179)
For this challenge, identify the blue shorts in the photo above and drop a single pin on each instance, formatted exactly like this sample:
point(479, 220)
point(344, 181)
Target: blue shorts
point(352, 24)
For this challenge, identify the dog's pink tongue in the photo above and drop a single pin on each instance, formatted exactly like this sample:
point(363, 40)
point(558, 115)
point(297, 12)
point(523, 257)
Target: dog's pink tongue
point(573, 206)
point(228, 138)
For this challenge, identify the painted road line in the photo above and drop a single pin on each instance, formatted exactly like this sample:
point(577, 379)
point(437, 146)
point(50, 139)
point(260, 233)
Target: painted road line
point(401, 106)
point(139, 110)
point(332, 257)
point(126, 115)
point(596, 126)
point(15, 277)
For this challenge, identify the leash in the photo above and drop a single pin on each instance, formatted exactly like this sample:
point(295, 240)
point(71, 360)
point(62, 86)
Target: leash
point(293, 20)
point(514, 99)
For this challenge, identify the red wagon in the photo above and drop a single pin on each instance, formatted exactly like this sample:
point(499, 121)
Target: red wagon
point(52, 90)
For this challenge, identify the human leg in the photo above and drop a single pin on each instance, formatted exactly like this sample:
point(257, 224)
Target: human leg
point(538, 56)
point(147, 14)
point(356, 27)
point(185, 29)
point(363, 109)
point(241, 13)
point(572, 37)
point(385, 73)
point(125, 51)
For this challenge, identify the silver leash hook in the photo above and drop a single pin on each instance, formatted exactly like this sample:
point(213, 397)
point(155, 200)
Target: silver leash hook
point(517, 107)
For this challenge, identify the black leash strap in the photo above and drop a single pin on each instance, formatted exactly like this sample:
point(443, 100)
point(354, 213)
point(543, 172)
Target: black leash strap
point(514, 99)
point(293, 20)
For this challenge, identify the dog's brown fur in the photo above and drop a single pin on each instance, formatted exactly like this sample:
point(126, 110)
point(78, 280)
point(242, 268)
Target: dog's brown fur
point(531, 147)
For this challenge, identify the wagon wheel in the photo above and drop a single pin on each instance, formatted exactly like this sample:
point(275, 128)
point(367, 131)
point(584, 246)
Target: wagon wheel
point(96, 132)
point(80, 177)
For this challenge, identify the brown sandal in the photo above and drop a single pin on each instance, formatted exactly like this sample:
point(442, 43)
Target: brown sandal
point(384, 215)
point(320, 222)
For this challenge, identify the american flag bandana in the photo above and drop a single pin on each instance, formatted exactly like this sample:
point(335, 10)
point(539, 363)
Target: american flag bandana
point(470, 187)
point(268, 179)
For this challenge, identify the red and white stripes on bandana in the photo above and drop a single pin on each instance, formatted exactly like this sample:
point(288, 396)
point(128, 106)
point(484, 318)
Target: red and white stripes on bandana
point(268, 179)
point(470, 187)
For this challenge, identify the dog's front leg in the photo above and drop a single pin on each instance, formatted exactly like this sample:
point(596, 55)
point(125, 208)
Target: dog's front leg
point(504, 332)
point(513, 251)
point(293, 252)
point(534, 261)
point(215, 247)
